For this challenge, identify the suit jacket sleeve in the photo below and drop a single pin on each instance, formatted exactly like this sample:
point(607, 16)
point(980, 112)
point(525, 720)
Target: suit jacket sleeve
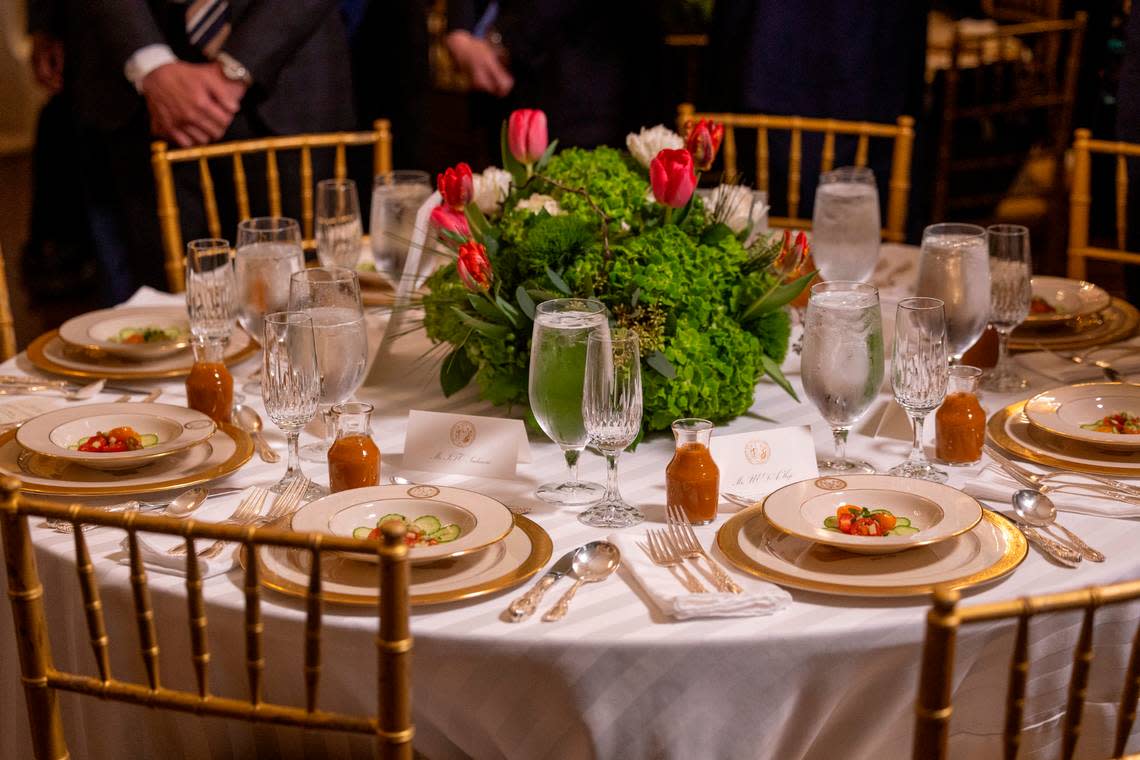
point(265, 37)
point(125, 26)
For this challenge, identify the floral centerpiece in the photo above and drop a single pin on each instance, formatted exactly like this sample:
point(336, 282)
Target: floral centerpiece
point(706, 295)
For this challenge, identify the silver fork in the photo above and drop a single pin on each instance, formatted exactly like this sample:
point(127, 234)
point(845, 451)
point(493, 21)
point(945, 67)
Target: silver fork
point(690, 547)
point(663, 553)
point(246, 511)
point(1106, 486)
point(286, 503)
point(1110, 373)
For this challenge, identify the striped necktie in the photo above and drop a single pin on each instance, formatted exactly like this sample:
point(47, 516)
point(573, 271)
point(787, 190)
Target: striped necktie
point(208, 25)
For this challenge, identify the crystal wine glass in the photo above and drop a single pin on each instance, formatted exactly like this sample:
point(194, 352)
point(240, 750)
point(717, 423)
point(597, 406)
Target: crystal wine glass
point(331, 296)
point(268, 252)
point(557, 373)
point(842, 362)
point(846, 229)
point(339, 231)
point(919, 374)
point(290, 384)
point(1011, 293)
point(396, 199)
point(611, 408)
point(954, 267)
point(210, 290)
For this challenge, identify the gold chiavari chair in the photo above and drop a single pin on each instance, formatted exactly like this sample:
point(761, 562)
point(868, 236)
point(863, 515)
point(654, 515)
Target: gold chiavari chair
point(1022, 10)
point(7, 322)
point(391, 725)
point(901, 134)
point(1084, 147)
point(934, 706)
point(163, 158)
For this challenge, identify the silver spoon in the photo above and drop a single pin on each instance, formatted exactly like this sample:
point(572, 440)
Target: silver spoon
point(592, 563)
point(250, 421)
point(1038, 510)
point(180, 506)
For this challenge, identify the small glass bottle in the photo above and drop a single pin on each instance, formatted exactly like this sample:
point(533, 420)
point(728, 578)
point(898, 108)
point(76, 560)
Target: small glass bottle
point(354, 459)
point(210, 386)
point(960, 423)
point(692, 479)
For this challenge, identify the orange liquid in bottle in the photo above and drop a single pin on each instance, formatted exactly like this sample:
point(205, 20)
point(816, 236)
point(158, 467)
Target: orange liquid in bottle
point(354, 462)
point(692, 482)
point(960, 429)
point(210, 390)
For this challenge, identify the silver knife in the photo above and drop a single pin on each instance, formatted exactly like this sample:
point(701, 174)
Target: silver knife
point(1061, 553)
point(523, 607)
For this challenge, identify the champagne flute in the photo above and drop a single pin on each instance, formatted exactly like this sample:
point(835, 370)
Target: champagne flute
point(331, 296)
point(611, 408)
point(1011, 293)
point(290, 385)
point(268, 252)
point(557, 373)
point(210, 290)
point(842, 363)
point(396, 199)
point(846, 228)
point(954, 267)
point(919, 374)
point(339, 231)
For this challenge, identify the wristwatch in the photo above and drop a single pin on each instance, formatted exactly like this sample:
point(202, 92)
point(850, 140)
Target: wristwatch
point(233, 70)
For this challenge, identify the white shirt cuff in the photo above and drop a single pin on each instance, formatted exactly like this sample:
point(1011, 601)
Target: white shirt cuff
point(145, 60)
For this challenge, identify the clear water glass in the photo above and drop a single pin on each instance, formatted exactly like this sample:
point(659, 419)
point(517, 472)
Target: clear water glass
point(842, 362)
point(396, 199)
point(557, 374)
point(339, 230)
point(211, 290)
point(1010, 296)
point(331, 297)
point(611, 408)
point(954, 267)
point(919, 374)
point(846, 227)
point(290, 384)
point(268, 253)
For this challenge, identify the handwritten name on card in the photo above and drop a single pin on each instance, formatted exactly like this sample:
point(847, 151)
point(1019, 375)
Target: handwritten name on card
point(464, 444)
point(755, 464)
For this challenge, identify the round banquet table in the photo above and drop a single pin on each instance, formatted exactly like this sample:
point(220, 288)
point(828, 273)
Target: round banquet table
point(828, 677)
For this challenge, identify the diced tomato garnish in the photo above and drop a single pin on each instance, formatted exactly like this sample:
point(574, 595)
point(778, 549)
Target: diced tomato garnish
point(866, 526)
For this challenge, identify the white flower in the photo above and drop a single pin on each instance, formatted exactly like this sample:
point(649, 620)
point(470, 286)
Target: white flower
point(737, 206)
point(647, 143)
point(539, 202)
point(491, 188)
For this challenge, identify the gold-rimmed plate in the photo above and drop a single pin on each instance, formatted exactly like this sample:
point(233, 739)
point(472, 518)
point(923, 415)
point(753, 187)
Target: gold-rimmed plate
point(991, 550)
point(225, 452)
point(1117, 322)
point(1011, 432)
point(1069, 410)
point(1068, 298)
point(104, 331)
point(525, 551)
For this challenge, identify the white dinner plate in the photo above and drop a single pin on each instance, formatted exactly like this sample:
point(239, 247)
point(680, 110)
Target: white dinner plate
point(939, 512)
point(1012, 432)
point(482, 520)
point(99, 331)
point(53, 433)
point(1062, 411)
point(1070, 298)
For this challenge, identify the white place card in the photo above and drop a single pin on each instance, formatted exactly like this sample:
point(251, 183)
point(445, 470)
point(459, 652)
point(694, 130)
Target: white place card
point(755, 464)
point(23, 409)
point(465, 444)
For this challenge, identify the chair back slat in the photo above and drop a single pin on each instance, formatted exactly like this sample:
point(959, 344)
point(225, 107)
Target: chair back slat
point(340, 166)
point(93, 607)
point(394, 645)
point(828, 160)
point(795, 156)
point(761, 159)
point(1080, 202)
point(254, 628)
point(1121, 203)
point(196, 614)
point(241, 188)
point(1129, 695)
point(313, 633)
point(861, 148)
point(144, 611)
point(307, 192)
point(1015, 696)
point(209, 199)
point(273, 182)
point(932, 712)
point(1079, 682)
point(729, 151)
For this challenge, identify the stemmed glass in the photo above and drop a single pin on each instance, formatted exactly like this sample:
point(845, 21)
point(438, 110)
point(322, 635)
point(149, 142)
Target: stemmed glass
point(842, 363)
point(268, 252)
point(919, 374)
point(954, 267)
point(396, 199)
point(1011, 293)
point(611, 408)
point(557, 373)
point(290, 385)
point(846, 228)
point(331, 296)
point(339, 231)
point(210, 290)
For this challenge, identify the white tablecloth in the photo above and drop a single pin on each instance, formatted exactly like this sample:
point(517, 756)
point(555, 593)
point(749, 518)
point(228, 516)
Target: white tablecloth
point(830, 677)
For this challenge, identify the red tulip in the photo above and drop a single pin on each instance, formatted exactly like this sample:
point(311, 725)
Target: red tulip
point(450, 220)
point(526, 134)
point(793, 255)
point(704, 142)
point(474, 267)
point(672, 176)
point(456, 186)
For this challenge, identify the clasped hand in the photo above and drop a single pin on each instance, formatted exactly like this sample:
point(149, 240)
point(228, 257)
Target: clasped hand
point(191, 103)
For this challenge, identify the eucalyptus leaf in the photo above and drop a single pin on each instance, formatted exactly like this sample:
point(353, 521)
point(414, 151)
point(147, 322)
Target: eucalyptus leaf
point(661, 363)
point(772, 370)
point(510, 311)
point(486, 309)
point(547, 154)
point(456, 371)
point(635, 297)
point(482, 327)
point(526, 303)
point(778, 296)
point(557, 281)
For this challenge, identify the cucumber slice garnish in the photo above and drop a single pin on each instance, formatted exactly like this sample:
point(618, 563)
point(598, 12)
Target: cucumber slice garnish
point(362, 532)
point(902, 522)
point(427, 524)
point(148, 439)
point(446, 533)
point(391, 516)
point(902, 530)
point(831, 523)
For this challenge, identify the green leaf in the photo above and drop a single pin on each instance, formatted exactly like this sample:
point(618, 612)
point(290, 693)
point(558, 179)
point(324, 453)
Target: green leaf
point(478, 223)
point(557, 281)
point(538, 295)
point(510, 311)
point(456, 371)
point(633, 299)
point(661, 363)
point(777, 297)
point(485, 308)
point(510, 163)
point(482, 327)
point(772, 370)
point(547, 154)
point(686, 209)
point(526, 303)
point(715, 233)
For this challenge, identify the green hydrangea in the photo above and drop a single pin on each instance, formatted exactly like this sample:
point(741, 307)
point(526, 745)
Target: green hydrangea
point(613, 184)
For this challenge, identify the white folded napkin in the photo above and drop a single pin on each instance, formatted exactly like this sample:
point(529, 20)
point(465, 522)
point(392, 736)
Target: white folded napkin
point(995, 487)
point(660, 585)
point(1124, 356)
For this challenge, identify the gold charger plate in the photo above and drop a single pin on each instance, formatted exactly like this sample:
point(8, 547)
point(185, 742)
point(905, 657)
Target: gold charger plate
point(339, 571)
point(214, 460)
point(111, 368)
point(1041, 447)
point(1117, 322)
point(988, 552)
